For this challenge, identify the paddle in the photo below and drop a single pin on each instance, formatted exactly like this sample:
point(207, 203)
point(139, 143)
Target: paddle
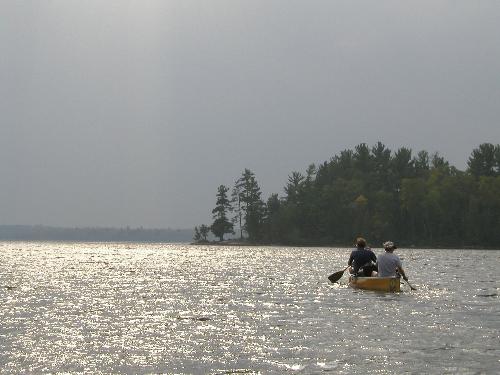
point(411, 287)
point(334, 277)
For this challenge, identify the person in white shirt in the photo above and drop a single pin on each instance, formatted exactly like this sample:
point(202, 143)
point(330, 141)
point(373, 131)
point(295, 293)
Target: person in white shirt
point(389, 264)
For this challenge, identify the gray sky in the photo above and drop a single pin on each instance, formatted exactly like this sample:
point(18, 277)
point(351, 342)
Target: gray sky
point(118, 113)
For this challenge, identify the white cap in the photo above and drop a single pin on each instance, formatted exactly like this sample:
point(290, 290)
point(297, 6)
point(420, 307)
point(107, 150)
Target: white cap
point(389, 245)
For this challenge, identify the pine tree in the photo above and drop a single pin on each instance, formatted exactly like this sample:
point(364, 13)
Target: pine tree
point(484, 160)
point(253, 207)
point(237, 206)
point(221, 224)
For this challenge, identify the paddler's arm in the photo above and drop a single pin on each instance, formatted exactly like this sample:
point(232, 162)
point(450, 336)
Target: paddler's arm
point(349, 262)
point(402, 273)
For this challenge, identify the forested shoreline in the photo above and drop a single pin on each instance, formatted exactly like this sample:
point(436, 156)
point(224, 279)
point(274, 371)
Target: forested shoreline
point(414, 199)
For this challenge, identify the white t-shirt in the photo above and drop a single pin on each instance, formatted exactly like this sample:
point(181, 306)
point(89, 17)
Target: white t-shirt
point(388, 264)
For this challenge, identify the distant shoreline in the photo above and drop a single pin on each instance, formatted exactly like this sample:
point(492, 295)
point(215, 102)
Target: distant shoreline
point(340, 246)
point(40, 233)
point(93, 234)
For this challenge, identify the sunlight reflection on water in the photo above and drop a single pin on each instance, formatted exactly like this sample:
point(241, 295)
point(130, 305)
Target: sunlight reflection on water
point(143, 308)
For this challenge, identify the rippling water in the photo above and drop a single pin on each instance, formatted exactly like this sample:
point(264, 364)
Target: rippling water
point(153, 308)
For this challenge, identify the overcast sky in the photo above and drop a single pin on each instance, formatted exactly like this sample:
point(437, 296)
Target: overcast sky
point(117, 113)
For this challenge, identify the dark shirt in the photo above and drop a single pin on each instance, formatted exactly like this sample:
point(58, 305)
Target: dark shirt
point(359, 257)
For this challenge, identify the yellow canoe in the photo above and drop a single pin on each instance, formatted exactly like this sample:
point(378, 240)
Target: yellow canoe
point(380, 284)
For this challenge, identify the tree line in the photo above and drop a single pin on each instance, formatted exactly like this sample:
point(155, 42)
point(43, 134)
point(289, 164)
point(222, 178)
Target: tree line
point(418, 200)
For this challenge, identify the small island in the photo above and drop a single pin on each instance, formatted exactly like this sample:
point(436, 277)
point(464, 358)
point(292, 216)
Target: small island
point(417, 200)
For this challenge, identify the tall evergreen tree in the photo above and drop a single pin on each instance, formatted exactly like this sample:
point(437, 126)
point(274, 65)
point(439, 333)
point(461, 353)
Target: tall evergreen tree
point(484, 160)
point(379, 176)
point(221, 224)
point(274, 222)
point(237, 203)
point(293, 188)
point(402, 164)
point(362, 159)
point(310, 174)
point(253, 206)
point(438, 162)
point(421, 163)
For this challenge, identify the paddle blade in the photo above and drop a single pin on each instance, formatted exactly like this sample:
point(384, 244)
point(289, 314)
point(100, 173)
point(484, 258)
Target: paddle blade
point(411, 286)
point(334, 277)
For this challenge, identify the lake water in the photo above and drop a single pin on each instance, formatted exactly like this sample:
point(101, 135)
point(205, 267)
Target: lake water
point(163, 308)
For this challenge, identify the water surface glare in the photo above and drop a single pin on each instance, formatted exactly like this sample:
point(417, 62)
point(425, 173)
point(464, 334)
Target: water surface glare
point(165, 308)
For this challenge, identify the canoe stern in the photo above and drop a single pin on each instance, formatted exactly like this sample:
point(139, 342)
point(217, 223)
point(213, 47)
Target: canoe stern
point(380, 284)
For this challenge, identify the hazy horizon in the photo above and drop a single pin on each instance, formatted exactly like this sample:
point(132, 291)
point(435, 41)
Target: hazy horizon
point(118, 113)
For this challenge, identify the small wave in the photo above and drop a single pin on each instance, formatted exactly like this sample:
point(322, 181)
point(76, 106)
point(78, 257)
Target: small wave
point(195, 318)
point(236, 372)
point(295, 367)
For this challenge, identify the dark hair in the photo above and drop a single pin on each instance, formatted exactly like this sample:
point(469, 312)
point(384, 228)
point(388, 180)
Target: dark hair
point(360, 242)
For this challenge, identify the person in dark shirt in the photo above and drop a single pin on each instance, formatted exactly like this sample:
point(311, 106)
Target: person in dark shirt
point(362, 260)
